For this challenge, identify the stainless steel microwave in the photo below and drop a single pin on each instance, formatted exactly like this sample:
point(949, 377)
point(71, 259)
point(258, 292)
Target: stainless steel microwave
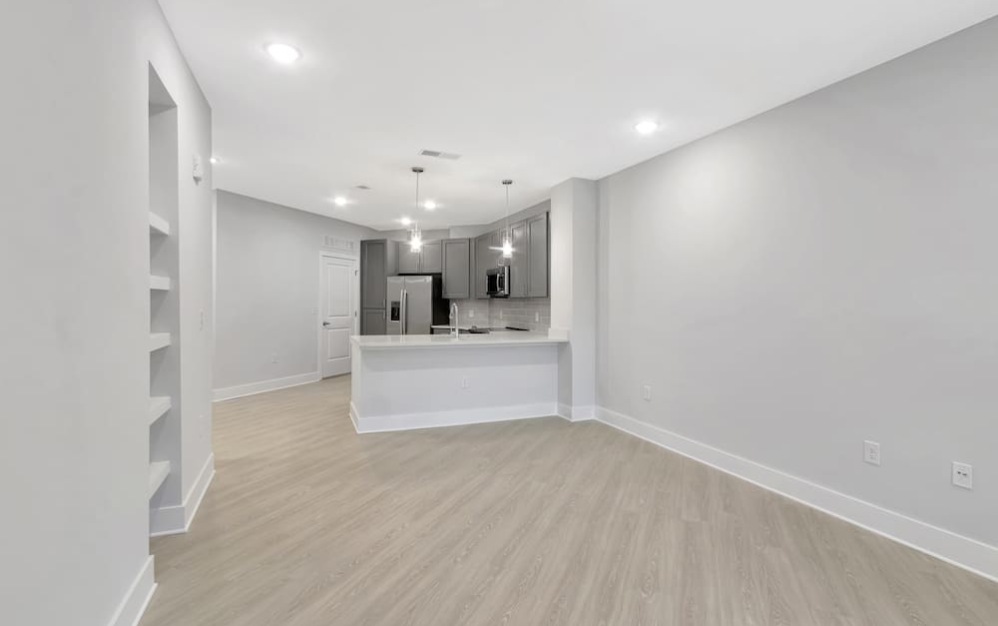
point(497, 282)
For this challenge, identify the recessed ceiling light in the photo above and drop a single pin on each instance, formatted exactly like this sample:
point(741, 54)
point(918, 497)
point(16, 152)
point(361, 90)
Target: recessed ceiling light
point(213, 160)
point(646, 127)
point(405, 221)
point(430, 205)
point(283, 53)
point(340, 201)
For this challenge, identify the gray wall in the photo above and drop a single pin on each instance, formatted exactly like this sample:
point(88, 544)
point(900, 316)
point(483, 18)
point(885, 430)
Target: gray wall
point(74, 245)
point(823, 274)
point(268, 282)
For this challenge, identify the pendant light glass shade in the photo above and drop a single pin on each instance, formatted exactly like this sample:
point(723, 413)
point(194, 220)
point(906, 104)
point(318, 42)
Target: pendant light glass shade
point(507, 233)
point(415, 235)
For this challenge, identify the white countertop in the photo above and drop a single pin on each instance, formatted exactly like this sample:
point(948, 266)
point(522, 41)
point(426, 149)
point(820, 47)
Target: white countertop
point(390, 342)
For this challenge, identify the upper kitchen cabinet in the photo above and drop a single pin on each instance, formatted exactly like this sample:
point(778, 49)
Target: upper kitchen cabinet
point(429, 260)
point(538, 257)
point(519, 263)
point(457, 268)
point(485, 258)
point(378, 261)
point(408, 260)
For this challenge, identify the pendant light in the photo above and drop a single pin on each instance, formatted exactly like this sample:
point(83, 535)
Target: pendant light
point(415, 235)
point(507, 234)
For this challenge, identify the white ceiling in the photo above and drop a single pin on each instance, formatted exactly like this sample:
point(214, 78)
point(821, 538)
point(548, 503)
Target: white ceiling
point(535, 90)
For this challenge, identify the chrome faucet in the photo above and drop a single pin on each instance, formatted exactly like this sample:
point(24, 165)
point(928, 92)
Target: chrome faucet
point(454, 320)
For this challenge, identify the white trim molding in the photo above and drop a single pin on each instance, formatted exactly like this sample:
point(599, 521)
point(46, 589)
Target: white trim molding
point(576, 413)
point(249, 389)
point(963, 552)
point(173, 520)
point(137, 598)
point(459, 417)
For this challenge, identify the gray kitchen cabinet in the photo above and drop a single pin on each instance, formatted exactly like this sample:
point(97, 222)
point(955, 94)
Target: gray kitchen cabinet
point(485, 258)
point(378, 261)
point(431, 258)
point(518, 264)
point(375, 261)
point(408, 260)
point(457, 268)
point(373, 321)
point(538, 257)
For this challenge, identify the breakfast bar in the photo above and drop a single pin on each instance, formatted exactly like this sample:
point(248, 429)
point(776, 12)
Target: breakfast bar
point(404, 382)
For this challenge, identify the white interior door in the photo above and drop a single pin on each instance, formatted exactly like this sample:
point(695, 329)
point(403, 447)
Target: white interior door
point(338, 312)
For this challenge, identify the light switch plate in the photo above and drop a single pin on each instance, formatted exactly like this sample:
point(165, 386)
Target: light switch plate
point(871, 452)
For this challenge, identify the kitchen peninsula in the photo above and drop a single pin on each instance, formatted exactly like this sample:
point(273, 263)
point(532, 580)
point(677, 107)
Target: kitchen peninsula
point(403, 382)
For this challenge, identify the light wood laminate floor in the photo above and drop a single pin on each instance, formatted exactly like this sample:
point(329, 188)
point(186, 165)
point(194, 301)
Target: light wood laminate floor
point(521, 523)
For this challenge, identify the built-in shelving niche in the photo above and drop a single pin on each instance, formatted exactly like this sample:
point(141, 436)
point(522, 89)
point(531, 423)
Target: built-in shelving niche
point(163, 418)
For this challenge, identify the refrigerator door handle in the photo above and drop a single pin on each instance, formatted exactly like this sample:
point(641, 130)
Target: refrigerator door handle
point(403, 312)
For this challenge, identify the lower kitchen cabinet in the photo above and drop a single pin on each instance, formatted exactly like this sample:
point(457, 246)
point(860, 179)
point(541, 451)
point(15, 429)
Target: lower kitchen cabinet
point(373, 322)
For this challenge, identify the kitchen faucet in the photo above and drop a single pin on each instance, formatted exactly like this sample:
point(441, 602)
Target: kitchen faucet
point(455, 320)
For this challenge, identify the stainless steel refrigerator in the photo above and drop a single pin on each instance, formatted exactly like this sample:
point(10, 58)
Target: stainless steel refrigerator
point(414, 304)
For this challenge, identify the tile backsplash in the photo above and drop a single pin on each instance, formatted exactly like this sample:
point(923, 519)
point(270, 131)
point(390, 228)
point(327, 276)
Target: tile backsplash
point(473, 312)
point(532, 313)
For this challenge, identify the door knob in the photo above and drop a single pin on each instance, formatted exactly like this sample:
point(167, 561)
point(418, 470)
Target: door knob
point(325, 324)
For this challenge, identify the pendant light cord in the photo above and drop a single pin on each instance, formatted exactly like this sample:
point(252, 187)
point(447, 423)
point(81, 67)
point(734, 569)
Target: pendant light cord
point(507, 209)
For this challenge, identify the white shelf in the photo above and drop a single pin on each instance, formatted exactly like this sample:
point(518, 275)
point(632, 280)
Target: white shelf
point(158, 225)
point(158, 406)
point(158, 341)
point(157, 475)
point(159, 283)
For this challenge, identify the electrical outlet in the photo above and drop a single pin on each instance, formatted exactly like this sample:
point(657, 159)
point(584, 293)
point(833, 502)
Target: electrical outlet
point(464, 383)
point(500, 313)
point(273, 358)
point(871, 452)
point(963, 475)
point(646, 393)
point(537, 316)
point(471, 313)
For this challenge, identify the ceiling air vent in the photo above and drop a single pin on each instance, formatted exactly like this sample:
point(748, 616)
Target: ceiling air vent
point(436, 154)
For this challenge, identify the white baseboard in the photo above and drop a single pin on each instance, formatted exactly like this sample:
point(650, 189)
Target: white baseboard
point(173, 520)
point(249, 389)
point(137, 598)
point(963, 552)
point(576, 413)
point(459, 417)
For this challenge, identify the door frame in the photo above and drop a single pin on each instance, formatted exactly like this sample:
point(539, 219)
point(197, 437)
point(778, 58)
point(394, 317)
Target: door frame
point(355, 287)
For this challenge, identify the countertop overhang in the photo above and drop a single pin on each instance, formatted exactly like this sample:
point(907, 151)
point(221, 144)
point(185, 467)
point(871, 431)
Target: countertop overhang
point(492, 340)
